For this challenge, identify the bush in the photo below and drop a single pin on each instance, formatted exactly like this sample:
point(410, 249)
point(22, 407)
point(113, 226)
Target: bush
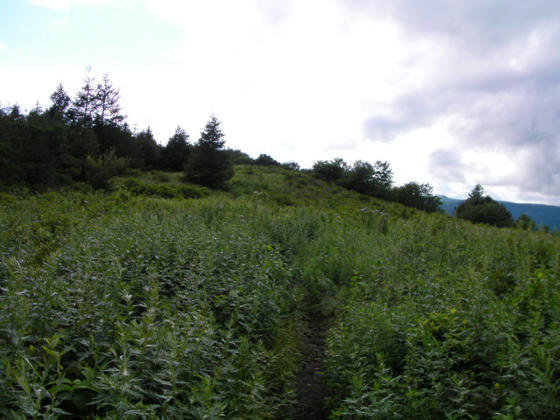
point(419, 196)
point(265, 160)
point(102, 168)
point(483, 209)
point(330, 171)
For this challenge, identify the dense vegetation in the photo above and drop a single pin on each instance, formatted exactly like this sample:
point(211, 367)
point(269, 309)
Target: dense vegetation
point(148, 281)
point(130, 304)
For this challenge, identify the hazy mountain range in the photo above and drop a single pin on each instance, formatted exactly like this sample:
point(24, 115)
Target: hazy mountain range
point(540, 213)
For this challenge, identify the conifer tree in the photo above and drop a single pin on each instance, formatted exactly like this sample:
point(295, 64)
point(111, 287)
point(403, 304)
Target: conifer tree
point(212, 137)
point(108, 108)
point(60, 103)
point(209, 164)
point(177, 150)
point(85, 104)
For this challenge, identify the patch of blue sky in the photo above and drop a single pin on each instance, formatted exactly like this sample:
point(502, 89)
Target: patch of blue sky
point(115, 36)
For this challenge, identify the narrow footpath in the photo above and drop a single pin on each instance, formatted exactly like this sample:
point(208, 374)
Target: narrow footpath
point(311, 387)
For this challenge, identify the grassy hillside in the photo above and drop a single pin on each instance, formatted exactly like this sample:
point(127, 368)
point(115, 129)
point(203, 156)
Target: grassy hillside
point(148, 303)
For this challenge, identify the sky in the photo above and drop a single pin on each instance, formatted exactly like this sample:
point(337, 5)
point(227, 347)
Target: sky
point(449, 92)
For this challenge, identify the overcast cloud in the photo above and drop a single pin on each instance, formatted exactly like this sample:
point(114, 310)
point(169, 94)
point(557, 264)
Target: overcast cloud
point(452, 93)
point(496, 76)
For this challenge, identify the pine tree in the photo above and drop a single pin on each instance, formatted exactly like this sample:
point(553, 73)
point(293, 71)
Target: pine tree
point(212, 136)
point(209, 164)
point(85, 105)
point(60, 103)
point(148, 148)
point(108, 108)
point(177, 150)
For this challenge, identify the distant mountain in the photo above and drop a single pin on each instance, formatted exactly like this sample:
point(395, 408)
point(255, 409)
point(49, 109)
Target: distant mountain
point(540, 213)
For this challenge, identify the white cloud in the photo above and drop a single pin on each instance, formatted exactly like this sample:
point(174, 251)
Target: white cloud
point(2, 47)
point(290, 89)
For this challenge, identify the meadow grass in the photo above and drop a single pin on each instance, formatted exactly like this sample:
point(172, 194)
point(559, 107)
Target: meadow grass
point(128, 304)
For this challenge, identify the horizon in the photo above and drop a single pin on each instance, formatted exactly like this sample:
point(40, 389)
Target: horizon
point(501, 201)
point(453, 96)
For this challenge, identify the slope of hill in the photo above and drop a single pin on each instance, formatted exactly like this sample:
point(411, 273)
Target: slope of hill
point(281, 297)
point(542, 214)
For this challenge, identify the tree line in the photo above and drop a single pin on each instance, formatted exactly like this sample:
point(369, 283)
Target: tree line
point(377, 180)
point(87, 140)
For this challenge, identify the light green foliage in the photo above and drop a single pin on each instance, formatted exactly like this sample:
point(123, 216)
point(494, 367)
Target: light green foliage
point(100, 169)
point(162, 189)
point(445, 320)
point(122, 305)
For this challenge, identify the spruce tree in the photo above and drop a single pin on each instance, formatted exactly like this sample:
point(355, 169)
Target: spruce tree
point(60, 103)
point(177, 150)
point(209, 164)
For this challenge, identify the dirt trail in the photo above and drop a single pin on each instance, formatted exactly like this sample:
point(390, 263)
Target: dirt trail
point(312, 388)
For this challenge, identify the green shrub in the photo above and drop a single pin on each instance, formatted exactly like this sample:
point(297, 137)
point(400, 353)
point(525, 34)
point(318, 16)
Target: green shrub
point(102, 168)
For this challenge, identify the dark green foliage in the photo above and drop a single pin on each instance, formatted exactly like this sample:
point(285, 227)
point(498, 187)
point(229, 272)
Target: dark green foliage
point(176, 152)
point(525, 222)
point(237, 157)
point(212, 137)
point(208, 164)
point(118, 138)
point(483, 209)
point(365, 178)
point(383, 176)
point(85, 105)
point(99, 170)
point(330, 171)
point(265, 160)
point(108, 108)
point(373, 180)
point(360, 178)
point(60, 103)
point(149, 151)
point(41, 149)
point(419, 196)
point(52, 147)
point(292, 166)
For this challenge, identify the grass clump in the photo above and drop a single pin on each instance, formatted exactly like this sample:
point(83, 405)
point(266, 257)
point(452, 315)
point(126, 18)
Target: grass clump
point(163, 189)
